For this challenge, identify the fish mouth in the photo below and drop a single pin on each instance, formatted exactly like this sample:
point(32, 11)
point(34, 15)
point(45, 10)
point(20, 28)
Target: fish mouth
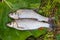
point(11, 15)
point(9, 25)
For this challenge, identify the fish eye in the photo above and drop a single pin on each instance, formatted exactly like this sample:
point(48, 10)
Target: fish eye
point(11, 13)
point(10, 23)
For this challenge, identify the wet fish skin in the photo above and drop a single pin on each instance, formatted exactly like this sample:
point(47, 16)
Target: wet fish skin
point(27, 24)
point(25, 13)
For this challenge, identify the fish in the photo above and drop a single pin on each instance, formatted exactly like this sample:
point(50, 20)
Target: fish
point(27, 24)
point(27, 13)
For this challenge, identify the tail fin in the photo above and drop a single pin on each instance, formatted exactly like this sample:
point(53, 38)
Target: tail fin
point(51, 22)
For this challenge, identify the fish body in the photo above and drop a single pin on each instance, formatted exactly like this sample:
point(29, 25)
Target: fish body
point(25, 13)
point(27, 24)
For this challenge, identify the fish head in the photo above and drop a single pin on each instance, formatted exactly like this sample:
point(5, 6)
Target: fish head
point(13, 15)
point(12, 24)
point(15, 25)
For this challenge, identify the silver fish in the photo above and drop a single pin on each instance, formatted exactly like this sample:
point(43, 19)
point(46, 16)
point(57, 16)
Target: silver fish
point(27, 24)
point(25, 13)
